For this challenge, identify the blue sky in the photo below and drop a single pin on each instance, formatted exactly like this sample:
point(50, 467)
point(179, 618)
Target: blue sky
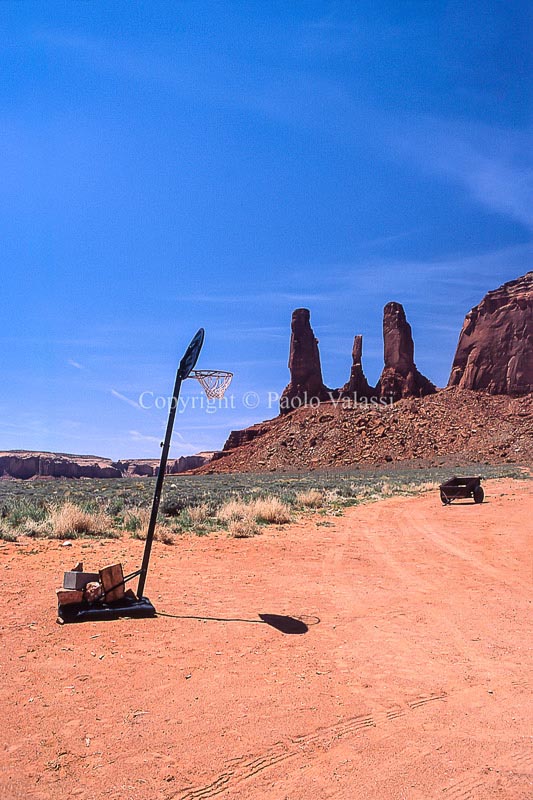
point(171, 165)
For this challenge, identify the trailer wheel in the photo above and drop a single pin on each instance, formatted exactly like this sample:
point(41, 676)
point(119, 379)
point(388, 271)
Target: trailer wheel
point(479, 494)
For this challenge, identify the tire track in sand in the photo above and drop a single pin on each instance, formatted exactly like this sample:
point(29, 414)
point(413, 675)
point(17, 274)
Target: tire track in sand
point(306, 744)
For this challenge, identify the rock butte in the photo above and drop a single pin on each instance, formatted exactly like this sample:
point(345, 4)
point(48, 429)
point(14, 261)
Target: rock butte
point(400, 377)
point(495, 349)
point(494, 355)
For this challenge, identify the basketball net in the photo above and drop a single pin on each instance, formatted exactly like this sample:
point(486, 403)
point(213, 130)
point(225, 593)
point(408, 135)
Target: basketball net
point(214, 382)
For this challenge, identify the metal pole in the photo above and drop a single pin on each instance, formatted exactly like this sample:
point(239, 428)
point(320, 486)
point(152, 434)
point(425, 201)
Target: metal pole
point(159, 486)
point(187, 364)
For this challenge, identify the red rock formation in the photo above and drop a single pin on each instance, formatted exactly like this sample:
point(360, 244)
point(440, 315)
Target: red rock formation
point(400, 377)
point(238, 438)
point(304, 364)
point(357, 387)
point(25, 465)
point(495, 349)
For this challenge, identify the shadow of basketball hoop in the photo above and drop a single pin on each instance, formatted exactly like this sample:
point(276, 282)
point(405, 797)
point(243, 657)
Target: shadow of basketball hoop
point(281, 622)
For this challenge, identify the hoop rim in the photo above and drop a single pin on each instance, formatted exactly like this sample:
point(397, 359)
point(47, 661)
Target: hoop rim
point(214, 382)
point(209, 373)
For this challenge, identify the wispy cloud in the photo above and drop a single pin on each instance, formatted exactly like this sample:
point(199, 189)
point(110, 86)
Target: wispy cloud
point(414, 279)
point(494, 165)
point(125, 399)
point(75, 364)
point(271, 297)
point(137, 436)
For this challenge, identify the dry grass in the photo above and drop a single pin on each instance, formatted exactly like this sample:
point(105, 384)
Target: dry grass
point(136, 520)
point(69, 519)
point(428, 486)
point(312, 498)
point(198, 514)
point(164, 534)
point(233, 510)
point(243, 528)
point(269, 509)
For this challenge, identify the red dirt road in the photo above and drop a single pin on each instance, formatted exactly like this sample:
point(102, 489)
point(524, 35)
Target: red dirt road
point(413, 680)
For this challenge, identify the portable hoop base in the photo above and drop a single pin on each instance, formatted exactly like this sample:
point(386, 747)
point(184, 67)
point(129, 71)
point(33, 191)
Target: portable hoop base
point(127, 607)
point(139, 606)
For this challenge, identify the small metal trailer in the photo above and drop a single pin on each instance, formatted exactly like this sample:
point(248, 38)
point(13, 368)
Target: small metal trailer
point(461, 488)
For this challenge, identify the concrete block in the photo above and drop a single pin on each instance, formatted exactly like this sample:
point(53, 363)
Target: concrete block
point(78, 580)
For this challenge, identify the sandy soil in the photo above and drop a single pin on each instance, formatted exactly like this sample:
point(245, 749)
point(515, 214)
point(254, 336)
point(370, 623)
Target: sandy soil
point(412, 681)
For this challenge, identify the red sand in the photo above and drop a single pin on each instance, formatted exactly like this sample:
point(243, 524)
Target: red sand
point(413, 680)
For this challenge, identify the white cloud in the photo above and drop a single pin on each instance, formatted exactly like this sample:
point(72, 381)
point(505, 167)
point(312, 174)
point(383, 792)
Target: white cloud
point(494, 165)
point(125, 399)
point(137, 436)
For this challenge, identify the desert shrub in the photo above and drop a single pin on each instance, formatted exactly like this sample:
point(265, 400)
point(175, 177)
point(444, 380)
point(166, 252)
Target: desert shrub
point(164, 534)
point(7, 536)
point(132, 523)
point(114, 506)
point(198, 514)
point(426, 486)
point(136, 521)
point(68, 520)
point(136, 518)
point(271, 510)
point(312, 498)
point(267, 509)
point(243, 528)
point(16, 511)
point(232, 510)
point(172, 506)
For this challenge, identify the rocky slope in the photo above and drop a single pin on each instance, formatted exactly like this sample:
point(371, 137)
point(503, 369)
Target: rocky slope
point(495, 349)
point(23, 464)
point(453, 423)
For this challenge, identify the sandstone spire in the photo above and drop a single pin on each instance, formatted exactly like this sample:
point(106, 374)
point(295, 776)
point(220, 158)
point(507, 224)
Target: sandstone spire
point(357, 387)
point(304, 365)
point(400, 377)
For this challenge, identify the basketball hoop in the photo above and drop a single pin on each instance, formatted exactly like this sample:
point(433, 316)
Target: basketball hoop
point(214, 381)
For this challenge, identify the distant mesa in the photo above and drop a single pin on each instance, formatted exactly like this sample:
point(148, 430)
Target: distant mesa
point(149, 467)
point(26, 465)
point(495, 349)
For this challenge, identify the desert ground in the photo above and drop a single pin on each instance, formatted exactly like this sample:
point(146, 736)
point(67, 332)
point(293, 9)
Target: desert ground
point(408, 676)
